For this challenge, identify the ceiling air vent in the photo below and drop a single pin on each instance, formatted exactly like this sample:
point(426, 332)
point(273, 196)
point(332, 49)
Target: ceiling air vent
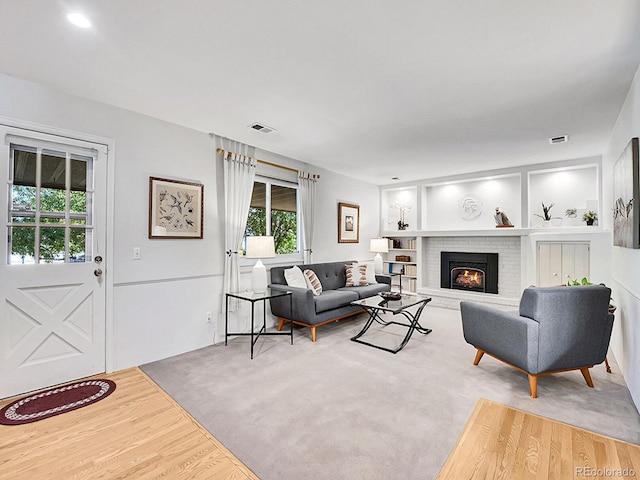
point(261, 128)
point(559, 139)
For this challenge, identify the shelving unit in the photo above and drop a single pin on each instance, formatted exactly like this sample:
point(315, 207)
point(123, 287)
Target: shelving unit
point(399, 246)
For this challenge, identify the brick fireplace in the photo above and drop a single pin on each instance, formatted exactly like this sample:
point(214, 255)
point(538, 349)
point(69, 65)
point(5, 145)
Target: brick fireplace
point(509, 278)
point(469, 271)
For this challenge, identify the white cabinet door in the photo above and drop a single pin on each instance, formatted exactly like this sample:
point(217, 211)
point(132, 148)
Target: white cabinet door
point(560, 262)
point(549, 264)
point(575, 261)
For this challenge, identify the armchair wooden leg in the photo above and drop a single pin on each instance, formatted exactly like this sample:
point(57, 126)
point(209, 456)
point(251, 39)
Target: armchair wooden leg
point(313, 334)
point(533, 385)
point(281, 324)
point(587, 376)
point(479, 355)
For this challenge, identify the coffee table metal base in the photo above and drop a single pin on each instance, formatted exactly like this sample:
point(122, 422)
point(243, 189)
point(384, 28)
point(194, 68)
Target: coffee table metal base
point(412, 324)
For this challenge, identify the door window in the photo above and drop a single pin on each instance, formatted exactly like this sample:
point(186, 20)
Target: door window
point(50, 205)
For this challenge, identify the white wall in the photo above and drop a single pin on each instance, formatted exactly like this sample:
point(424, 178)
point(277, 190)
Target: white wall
point(443, 202)
point(625, 262)
point(568, 188)
point(160, 302)
point(333, 189)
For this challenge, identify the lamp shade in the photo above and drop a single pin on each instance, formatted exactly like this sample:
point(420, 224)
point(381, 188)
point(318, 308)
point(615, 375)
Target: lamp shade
point(379, 245)
point(260, 247)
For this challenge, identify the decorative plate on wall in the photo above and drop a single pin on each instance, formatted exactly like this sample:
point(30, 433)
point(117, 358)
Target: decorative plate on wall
point(469, 206)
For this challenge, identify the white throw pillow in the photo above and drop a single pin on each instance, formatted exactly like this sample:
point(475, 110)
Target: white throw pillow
point(371, 272)
point(295, 277)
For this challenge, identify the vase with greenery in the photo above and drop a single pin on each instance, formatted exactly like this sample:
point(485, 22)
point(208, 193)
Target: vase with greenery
point(590, 217)
point(571, 212)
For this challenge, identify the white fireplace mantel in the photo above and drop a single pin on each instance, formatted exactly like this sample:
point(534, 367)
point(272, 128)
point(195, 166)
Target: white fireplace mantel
point(498, 232)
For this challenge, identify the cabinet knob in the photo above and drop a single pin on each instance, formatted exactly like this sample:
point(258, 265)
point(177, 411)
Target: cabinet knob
point(555, 274)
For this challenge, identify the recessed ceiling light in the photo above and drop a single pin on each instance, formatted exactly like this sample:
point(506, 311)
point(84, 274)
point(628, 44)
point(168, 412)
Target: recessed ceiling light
point(79, 20)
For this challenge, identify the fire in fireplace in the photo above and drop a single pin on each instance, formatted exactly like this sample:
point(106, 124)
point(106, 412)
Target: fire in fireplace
point(470, 278)
point(475, 272)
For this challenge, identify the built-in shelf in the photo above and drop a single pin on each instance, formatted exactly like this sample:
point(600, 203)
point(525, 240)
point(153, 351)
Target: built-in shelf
point(502, 232)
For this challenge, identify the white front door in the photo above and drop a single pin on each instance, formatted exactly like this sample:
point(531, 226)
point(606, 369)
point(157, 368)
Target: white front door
point(52, 268)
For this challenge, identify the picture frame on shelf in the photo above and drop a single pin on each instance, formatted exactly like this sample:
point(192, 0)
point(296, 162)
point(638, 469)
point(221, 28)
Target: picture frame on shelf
point(348, 223)
point(176, 208)
point(626, 194)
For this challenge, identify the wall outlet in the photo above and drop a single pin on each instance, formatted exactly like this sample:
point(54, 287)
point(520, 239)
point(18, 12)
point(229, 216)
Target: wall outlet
point(208, 317)
point(136, 253)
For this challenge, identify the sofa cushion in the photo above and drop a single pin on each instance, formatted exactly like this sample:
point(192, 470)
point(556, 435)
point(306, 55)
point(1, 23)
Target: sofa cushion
point(356, 275)
point(330, 299)
point(371, 272)
point(295, 277)
point(312, 282)
point(368, 290)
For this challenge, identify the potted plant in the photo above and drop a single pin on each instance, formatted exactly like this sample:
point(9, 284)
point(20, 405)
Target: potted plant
point(590, 217)
point(546, 215)
point(571, 212)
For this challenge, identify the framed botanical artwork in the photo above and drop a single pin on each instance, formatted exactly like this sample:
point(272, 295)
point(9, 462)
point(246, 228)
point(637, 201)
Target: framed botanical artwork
point(348, 223)
point(175, 208)
point(626, 194)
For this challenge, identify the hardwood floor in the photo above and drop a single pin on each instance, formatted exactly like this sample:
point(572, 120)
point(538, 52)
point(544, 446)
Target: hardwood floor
point(506, 443)
point(138, 433)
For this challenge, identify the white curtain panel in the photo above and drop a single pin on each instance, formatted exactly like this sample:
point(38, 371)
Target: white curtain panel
point(307, 185)
point(239, 173)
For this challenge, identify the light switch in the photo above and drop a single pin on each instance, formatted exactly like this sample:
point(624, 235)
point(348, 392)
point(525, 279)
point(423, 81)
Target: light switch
point(136, 253)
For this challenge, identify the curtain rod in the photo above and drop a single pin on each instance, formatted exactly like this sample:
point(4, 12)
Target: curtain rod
point(264, 162)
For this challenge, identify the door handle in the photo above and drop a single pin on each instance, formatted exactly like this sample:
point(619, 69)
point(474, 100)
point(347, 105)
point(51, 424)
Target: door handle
point(97, 272)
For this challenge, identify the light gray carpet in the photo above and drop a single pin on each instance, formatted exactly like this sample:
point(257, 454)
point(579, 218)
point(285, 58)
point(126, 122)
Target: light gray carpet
point(341, 410)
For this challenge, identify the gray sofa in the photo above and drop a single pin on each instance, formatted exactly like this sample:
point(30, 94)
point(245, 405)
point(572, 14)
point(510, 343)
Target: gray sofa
point(331, 305)
point(556, 329)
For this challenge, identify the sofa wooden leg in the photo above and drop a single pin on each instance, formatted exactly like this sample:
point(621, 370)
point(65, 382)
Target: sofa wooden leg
point(313, 334)
point(533, 385)
point(606, 364)
point(587, 376)
point(281, 324)
point(479, 355)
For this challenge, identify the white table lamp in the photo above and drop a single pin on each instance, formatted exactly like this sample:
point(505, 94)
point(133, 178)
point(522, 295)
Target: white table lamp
point(260, 247)
point(378, 246)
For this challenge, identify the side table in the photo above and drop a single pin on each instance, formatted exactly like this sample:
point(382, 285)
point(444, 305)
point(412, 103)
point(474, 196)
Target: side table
point(253, 298)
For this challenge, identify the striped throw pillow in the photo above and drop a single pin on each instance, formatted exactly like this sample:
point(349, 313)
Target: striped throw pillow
point(356, 275)
point(312, 281)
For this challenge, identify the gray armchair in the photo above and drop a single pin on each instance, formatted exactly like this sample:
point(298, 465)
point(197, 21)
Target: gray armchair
point(557, 329)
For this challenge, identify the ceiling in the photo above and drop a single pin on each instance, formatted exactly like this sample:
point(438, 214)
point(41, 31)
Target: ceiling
point(373, 89)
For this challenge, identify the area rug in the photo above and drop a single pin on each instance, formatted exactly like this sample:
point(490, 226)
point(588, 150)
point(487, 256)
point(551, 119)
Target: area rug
point(55, 401)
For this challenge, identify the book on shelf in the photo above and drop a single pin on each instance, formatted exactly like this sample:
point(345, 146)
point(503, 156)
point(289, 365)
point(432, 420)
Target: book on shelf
point(411, 270)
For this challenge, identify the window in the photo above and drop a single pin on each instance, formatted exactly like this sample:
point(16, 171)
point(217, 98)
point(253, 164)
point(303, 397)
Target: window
point(274, 211)
point(49, 205)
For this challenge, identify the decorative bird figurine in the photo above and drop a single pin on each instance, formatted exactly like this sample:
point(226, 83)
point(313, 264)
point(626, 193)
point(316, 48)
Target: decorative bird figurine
point(501, 219)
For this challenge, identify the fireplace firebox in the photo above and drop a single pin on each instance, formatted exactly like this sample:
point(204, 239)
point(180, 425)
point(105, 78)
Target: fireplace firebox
point(472, 272)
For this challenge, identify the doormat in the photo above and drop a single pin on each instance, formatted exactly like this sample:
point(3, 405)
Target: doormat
point(55, 401)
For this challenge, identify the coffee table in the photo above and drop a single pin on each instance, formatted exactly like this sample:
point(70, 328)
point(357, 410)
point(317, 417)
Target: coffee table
point(376, 305)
